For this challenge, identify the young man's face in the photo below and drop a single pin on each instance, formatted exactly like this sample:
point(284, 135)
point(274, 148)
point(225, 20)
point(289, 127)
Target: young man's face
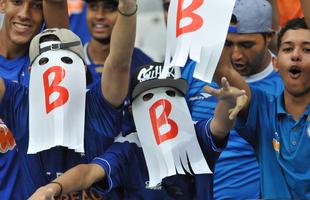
point(101, 17)
point(293, 62)
point(22, 20)
point(248, 52)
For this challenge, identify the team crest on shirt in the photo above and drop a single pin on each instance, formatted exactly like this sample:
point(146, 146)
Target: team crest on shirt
point(276, 143)
point(7, 141)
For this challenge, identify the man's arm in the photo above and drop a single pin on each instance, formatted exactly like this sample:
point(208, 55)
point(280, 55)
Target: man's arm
point(305, 5)
point(55, 13)
point(77, 178)
point(115, 76)
point(225, 69)
point(231, 101)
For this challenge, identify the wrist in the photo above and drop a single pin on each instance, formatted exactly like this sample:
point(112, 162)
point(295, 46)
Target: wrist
point(56, 187)
point(127, 10)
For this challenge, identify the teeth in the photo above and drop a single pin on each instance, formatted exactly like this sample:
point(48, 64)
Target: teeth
point(100, 26)
point(22, 26)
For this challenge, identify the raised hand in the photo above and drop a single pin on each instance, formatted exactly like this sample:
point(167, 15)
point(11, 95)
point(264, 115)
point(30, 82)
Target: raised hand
point(233, 97)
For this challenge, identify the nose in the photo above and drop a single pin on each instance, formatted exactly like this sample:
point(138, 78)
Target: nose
point(236, 53)
point(101, 12)
point(296, 55)
point(24, 12)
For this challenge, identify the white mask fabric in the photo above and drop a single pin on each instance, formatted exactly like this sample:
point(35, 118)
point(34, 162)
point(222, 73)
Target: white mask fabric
point(167, 134)
point(57, 93)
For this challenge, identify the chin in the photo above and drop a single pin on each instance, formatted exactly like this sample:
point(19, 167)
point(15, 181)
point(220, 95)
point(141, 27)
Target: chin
point(298, 92)
point(21, 40)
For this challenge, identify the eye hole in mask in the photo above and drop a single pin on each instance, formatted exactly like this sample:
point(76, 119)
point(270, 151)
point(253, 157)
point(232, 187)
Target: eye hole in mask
point(148, 96)
point(171, 93)
point(43, 61)
point(67, 60)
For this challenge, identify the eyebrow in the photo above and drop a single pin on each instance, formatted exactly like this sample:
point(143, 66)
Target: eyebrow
point(37, 1)
point(290, 43)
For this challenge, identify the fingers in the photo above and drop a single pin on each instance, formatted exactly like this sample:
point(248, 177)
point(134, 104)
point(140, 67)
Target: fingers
point(225, 84)
point(211, 90)
point(240, 104)
point(237, 93)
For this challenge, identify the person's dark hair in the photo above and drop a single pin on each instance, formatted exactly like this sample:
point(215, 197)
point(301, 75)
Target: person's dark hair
point(233, 19)
point(266, 35)
point(107, 4)
point(47, 38)
point(294, 24)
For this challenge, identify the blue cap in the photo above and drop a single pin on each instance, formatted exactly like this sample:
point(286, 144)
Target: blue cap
point(253, 16)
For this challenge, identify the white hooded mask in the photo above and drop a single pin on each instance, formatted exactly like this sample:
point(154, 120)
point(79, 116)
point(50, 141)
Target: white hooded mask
point(167, 134)
point(57, 94)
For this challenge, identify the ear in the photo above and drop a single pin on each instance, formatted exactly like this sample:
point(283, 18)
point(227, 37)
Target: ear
point(2, 6)
point(275, 63)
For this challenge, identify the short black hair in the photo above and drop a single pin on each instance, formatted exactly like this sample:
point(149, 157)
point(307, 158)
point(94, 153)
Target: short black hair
point(294, 24)
point(233, 19)
point(113, 3)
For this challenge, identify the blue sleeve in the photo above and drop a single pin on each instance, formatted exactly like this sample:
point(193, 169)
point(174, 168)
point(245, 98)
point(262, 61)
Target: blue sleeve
point(117, 163)
point(247, 128)
point(100, 115)
point(207, 142)
point(14, 109)
point(200, 103)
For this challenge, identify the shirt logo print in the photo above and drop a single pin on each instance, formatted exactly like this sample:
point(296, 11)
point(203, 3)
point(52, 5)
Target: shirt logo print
point(7, 141)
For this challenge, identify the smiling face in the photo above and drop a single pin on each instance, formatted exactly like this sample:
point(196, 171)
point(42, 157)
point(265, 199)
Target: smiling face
point(101, 17)
point(293, 62)
point(22, 20)
point(248, 52)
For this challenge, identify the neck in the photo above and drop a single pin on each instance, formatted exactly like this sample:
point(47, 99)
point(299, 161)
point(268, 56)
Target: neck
point(296, 106)
point(266, 61)
point(98, 52)
point(11, 50)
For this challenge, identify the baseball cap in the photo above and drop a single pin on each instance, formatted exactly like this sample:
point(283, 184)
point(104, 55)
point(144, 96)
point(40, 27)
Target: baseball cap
point(68, 40)
point(253, 16)
point(146, 77)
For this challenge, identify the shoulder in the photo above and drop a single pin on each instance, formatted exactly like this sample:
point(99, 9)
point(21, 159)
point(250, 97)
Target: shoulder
point(138, 54)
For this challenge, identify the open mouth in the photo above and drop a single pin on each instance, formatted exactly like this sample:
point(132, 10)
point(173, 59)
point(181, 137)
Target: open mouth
point(239, 67)
point(295, 72)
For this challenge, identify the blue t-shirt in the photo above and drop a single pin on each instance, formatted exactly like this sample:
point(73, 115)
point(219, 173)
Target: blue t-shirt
point(281, 144)
point(236, 173)
point(125, 166)
point(138, 59)
point(101, 126)
point(17, 71)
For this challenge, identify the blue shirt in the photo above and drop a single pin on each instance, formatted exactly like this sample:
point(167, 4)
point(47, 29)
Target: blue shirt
point(236, 173)
point(17, 71)
point(101, 126)
point(138, 59)
point(281, 144)
point(125, 166)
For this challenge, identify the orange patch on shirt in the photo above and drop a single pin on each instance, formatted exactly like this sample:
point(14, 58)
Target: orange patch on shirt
point(276, 145)
point(7, 141)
